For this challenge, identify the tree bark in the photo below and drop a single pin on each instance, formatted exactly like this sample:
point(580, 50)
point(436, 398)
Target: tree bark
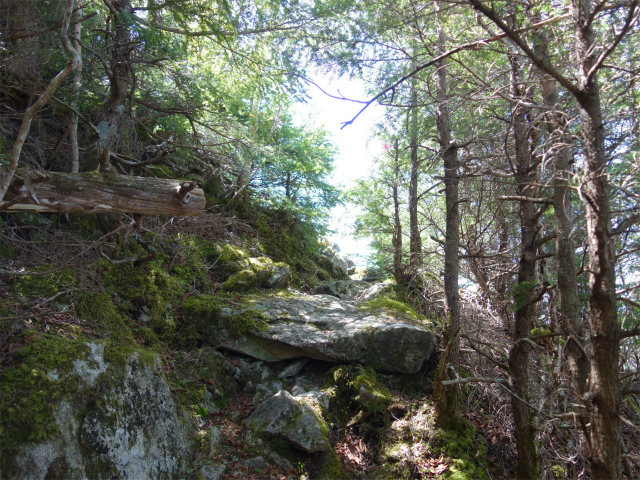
point(119, 77)
point(525, 432)
point(447, 399)
point(415, 242)
point(94, 192)
point(75, 90)
point(397, 223)
point(603, 398)
point(570, 317)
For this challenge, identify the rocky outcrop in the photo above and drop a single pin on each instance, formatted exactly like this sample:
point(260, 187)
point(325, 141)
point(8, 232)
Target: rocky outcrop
point(320, 327)
point(117, 421)
point(342, 289)
point(337, 265)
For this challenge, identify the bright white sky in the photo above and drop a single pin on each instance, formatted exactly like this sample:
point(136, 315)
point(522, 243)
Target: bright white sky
point(356, 149)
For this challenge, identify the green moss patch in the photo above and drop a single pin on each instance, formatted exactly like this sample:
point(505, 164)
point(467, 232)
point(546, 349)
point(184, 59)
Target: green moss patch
point(100, 309)
point(200, 311)
point(358, 394)
point(29, 287)
point(466, 449)
point(30, 393)
point(391, 307)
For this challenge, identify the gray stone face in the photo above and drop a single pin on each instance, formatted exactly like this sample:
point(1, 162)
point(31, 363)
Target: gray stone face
point(208, 472)
point(215, 444)
point(343, 289)
point(324, 328)
point(257, 462)
point(293, 369)
point(122, 423)
point(279, 277)
point(283, 416)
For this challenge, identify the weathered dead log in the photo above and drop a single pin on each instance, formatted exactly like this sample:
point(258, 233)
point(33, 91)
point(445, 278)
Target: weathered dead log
point(93, 192)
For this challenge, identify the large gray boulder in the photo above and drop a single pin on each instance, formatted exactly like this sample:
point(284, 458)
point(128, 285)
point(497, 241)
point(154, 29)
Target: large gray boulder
point(120, 421)
point(321, 327)
point(285, 417)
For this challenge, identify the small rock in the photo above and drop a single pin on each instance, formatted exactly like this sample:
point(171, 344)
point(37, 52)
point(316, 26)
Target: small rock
point(211, 473)
point(276, 459)
point(266, 373)
point(321, 399)
point(257, 462)
point(215, 443)
point(304, 384)
point(293, 369)
point(279, 278)
point(282, 415)
point(143, 314)
point(208, 403)
point(266, 390)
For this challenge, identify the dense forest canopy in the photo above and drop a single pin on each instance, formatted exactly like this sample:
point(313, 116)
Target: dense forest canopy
point(511, 163)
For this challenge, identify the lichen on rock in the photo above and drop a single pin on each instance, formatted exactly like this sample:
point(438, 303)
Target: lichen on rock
point(96, 412)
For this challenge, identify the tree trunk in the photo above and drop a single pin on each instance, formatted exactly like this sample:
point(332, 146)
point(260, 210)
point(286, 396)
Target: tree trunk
point(447, 401)
point(570, 317)
point(603, 398)
point(75, 91)
point(415, 242)
point(9, 171)
point(525, 432)
point(397, 223)
point(94, 192)
point(119, 78)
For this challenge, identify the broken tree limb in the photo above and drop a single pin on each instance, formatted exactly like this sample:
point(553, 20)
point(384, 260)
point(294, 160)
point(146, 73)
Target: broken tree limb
point(94, 192)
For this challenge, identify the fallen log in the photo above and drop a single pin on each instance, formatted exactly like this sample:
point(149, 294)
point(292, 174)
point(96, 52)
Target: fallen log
point(94, 192)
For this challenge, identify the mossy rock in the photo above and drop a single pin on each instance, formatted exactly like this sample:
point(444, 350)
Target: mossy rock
point(204, 314)
point(458, 445)
point(258, 273)
point(100, 310)
point(358, 394)
point(392, 307)
point(78, 408)
point(29, 392)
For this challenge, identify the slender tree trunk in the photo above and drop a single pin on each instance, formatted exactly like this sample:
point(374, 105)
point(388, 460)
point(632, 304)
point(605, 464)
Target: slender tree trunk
point(525, 431)
point(397, 223)
point(570, 317)
point(501, 282)
point(9, 171)
point(119, 78)
point(75, 89)
point(603, 398)
point(447, 401)
point(415, 243)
